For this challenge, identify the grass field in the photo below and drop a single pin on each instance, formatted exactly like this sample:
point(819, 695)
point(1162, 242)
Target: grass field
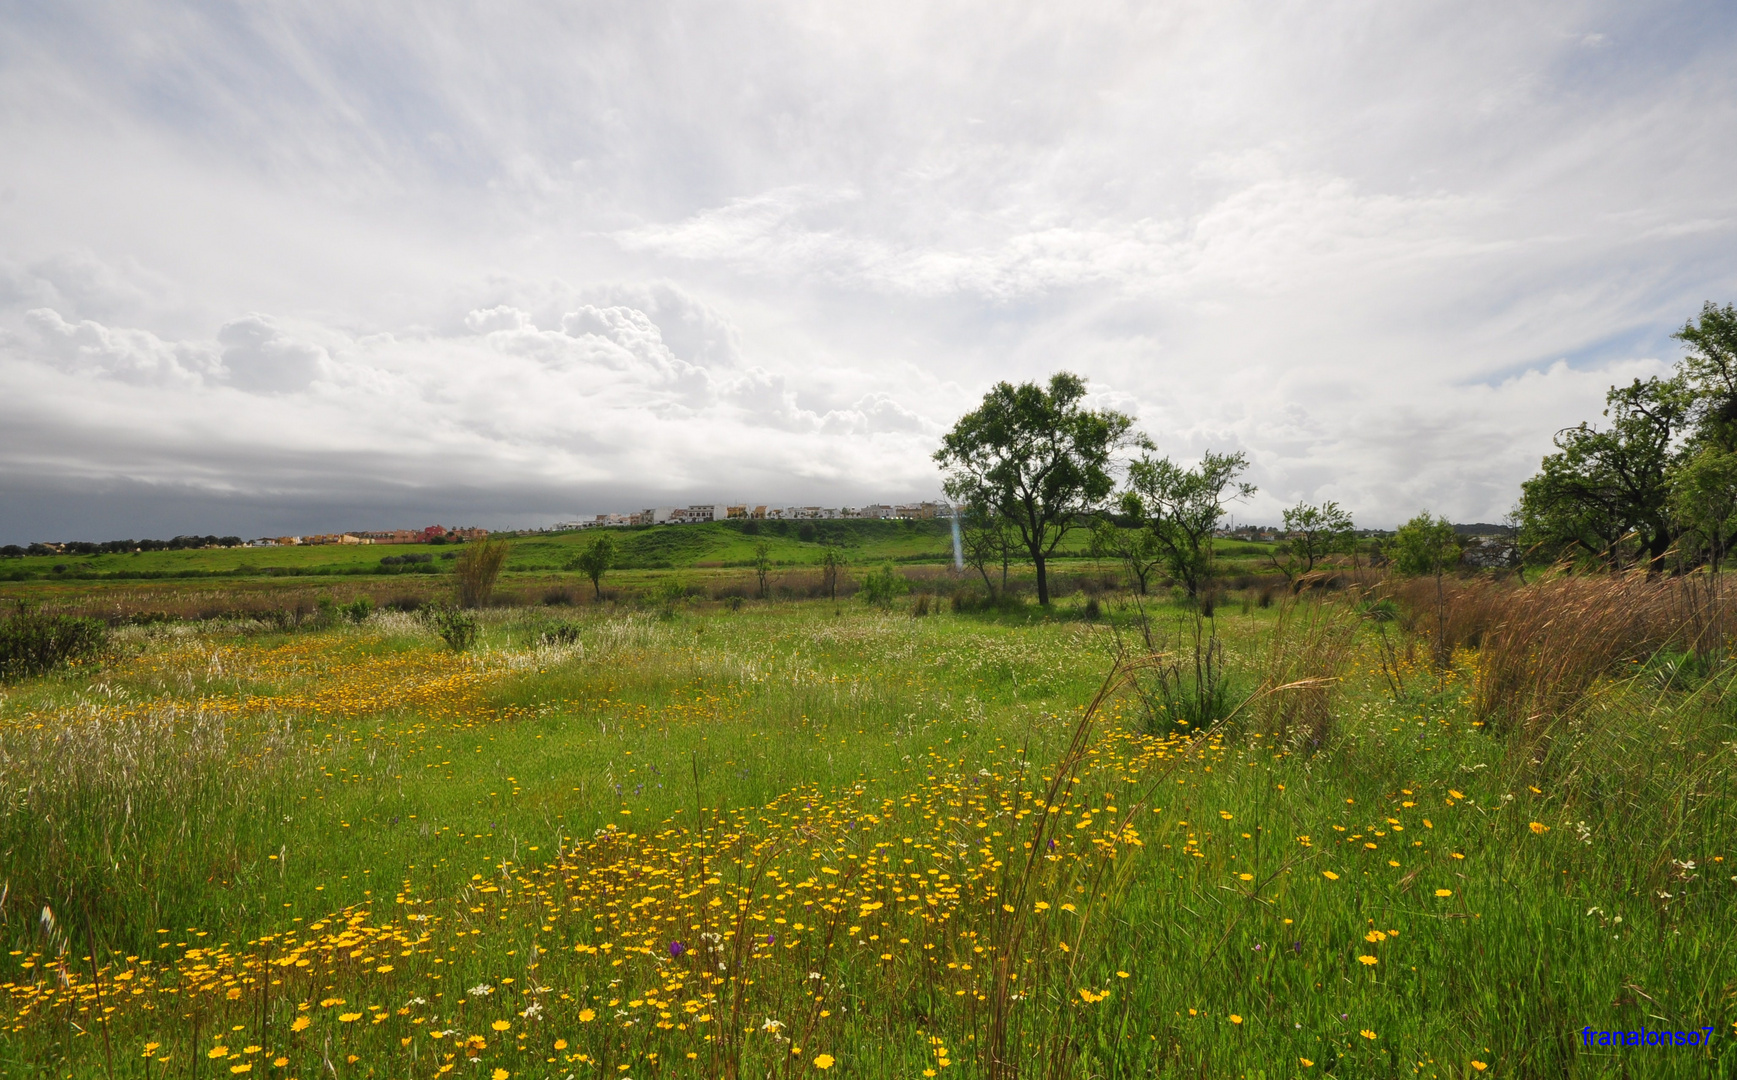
point(662, 547)
point(805, 838)
point(652, 547)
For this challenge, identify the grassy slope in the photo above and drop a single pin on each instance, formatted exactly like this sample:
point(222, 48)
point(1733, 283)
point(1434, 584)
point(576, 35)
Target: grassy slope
point(656, 547)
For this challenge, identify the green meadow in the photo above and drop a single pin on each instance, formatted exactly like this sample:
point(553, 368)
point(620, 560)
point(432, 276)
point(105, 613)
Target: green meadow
point(692, 837)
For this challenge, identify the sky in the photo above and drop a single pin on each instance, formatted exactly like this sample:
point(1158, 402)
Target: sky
point(300, 267)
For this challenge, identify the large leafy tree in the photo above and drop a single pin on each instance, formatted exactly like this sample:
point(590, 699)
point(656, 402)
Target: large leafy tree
point(1606, 492)
point(1181, 508)
point(1709, 372)
point(1037, 458)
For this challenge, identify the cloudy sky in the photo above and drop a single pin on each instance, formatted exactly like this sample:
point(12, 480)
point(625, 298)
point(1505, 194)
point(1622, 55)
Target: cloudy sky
point(272, 267)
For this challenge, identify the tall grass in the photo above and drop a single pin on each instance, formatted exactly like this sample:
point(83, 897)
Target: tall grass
point(1344, 878)
point(1542, 649)
point(476, 569)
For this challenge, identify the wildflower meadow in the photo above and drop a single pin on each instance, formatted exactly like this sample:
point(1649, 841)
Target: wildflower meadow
point(827, 837)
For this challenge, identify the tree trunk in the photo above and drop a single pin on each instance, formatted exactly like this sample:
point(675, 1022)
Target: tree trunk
point(1042, 577)
point(988, 582)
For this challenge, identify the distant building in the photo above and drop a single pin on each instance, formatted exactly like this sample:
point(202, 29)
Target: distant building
point(922, 511)
point(693, 515)
point(703, 512)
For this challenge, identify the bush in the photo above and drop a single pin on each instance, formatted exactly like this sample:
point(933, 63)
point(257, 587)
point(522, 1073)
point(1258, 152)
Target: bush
point(883, 586)
point(456, 627)
point(358, 610)
point(560, 634)
point(32, 643)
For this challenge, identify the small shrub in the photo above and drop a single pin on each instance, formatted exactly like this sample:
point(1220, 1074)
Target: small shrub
point(560, 634)
point(668, 591)
point(406, 604)
point(805, 532)
point(921, 607)
point(32, 643)
point(883, 586)
point(558, 597)
point(358, 610)
point(1093, 611)
point(456, 627)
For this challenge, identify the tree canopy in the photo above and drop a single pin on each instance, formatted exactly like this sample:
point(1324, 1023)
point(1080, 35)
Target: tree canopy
point(1037, 458)
point(1180, 508)
point(1605, 492)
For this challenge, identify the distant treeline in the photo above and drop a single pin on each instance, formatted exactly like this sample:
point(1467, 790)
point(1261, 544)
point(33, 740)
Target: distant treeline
point(120, 547)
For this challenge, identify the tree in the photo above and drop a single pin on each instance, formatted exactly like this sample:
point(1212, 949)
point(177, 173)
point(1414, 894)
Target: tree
point(1428, 547)
point(1137, 549)
point(1314, 532)
point(1036, 458)
point(1181, 508)
point(1704, 499)
point(1425, 546)
point(1709, 369)
point(1606, 493)
point(762, 564)
point(985, 539)
point(597, 559)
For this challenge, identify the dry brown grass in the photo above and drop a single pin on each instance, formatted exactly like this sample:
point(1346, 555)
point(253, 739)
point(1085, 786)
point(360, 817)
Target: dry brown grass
point(1543, 648)
point(1306, 658)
